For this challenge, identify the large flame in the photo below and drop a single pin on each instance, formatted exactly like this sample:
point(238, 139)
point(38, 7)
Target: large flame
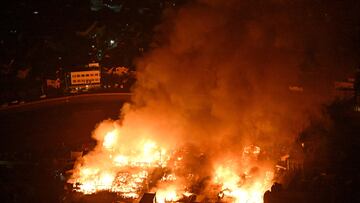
point(218, 82)
point(237, 188)
point(132, 170)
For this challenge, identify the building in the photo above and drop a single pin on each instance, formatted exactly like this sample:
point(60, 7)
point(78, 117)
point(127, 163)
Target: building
point(84, 80)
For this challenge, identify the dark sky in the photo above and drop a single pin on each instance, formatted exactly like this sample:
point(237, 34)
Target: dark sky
point(334, 22)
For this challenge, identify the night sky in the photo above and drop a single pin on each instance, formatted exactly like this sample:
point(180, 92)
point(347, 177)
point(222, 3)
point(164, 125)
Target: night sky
point(34, 31)
point(224, 73)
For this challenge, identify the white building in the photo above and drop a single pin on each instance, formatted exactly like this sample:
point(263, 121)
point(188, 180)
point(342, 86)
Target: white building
point(85, 79)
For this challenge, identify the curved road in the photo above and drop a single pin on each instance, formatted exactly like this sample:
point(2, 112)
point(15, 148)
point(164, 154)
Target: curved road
point(47, 124)
point(37, 137)
point(66, 99)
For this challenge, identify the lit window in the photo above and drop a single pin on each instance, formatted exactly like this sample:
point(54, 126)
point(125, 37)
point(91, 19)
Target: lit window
point(82, 75)
point(87, 75)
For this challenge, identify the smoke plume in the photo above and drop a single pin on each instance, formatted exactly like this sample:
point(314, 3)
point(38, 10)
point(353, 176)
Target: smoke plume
point(221, 75)
point(227, 74)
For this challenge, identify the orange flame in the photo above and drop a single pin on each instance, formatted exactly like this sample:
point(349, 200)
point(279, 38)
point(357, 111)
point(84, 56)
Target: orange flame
point(128, 170)
point(236, 187)
point(169, 194)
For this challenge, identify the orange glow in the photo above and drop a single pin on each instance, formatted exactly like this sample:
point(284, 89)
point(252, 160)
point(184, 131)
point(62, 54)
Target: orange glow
point(116, 169)
point(129, 169)
point(110, 139)
point(167, 195)
point(238, 189)
point(121, 160)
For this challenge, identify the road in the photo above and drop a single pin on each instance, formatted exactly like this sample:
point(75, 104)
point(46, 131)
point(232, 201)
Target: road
point(37, 136)
point(45, 124)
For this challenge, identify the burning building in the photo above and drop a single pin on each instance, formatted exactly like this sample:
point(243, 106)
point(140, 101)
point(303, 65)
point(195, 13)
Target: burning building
point(211, 110)
point(172, 174)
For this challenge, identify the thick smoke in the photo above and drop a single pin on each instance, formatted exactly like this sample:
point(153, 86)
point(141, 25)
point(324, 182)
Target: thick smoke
point(225, 75)
point(223, 80)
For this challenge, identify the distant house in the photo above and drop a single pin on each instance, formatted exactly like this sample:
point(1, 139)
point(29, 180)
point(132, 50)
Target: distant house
point(84, 80)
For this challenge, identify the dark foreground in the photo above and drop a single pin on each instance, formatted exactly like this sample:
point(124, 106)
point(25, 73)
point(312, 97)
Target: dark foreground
point(37, 142)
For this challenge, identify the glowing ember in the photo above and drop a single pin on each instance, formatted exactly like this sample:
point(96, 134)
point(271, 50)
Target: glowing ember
point(116, 170)
point(238, 188)
point(131, 171)
point(127, 176)
point(169, 194)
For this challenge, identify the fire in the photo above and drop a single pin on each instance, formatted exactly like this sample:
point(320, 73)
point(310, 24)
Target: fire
point(147, 166)
point(113, 168)
point(227, 177)
point(121, 160)
point(93, 180)
point(169, 194)
point(236, 187)
point(110, 139)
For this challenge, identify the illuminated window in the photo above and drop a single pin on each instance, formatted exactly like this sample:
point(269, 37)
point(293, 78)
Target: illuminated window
point(82, 75)
point(74, 81)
